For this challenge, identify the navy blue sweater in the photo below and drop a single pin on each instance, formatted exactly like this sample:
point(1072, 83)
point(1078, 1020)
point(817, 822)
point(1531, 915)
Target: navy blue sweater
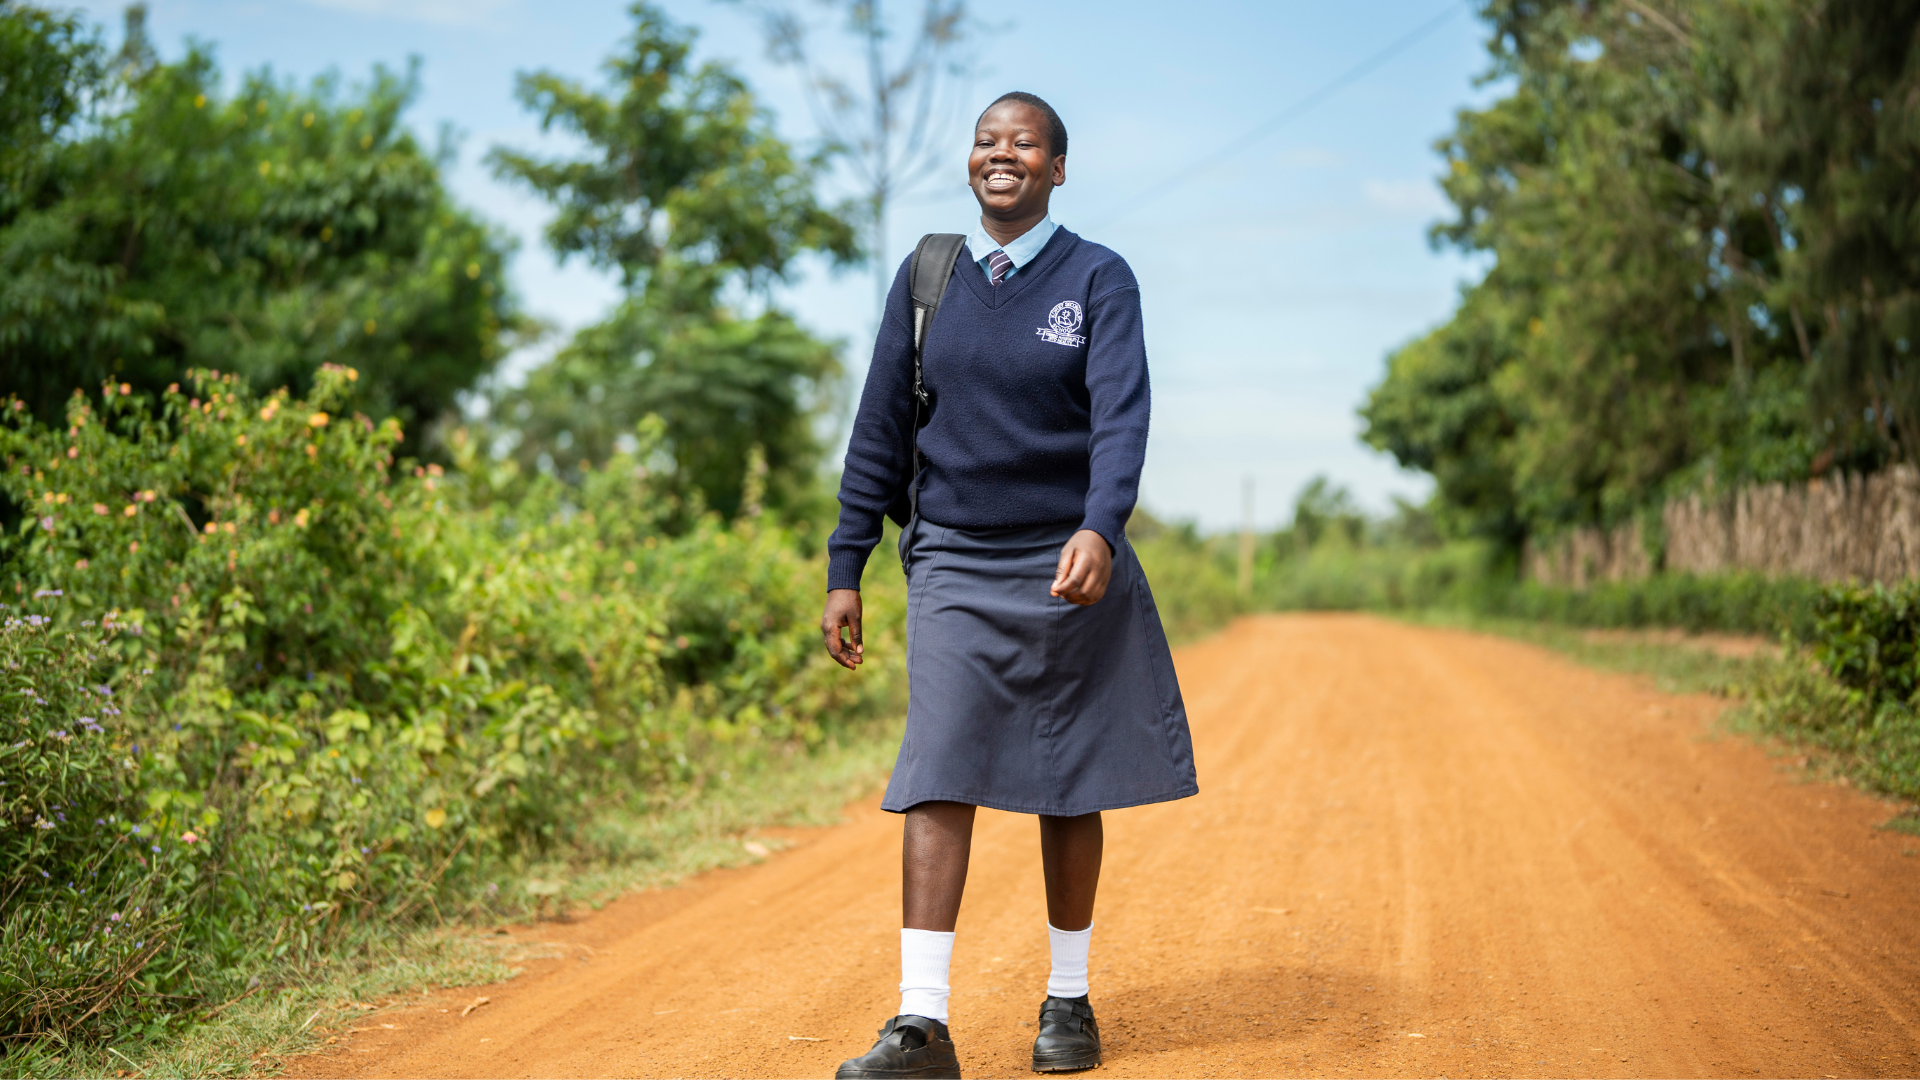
point(1040, 404)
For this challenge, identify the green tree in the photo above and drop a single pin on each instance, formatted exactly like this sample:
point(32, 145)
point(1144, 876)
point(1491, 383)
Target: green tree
point(152, 224)
point(1438, 411)
point(1817, 128)
point(687, 193)
point(1629, 338)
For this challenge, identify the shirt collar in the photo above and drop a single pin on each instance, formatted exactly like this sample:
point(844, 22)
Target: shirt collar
point(1021, 249)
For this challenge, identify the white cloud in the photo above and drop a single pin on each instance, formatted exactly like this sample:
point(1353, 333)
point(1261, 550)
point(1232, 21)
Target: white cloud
point(440, 12)
point(1405, 196)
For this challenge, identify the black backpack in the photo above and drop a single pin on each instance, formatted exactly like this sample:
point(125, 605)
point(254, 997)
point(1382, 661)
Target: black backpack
point(927, 277)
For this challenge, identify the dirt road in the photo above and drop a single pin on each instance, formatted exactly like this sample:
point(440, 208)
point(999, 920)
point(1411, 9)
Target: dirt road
point(1415, 852)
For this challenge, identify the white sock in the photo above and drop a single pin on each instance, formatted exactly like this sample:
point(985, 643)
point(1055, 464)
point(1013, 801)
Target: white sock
point(1069, 976)
point(924, 958)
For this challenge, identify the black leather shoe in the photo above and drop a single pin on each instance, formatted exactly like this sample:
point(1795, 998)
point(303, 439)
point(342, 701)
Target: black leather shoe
point(1069, 1038)
point(913, 1046)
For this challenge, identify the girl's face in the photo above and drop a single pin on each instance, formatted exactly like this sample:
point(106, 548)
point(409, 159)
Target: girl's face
point(1012, 170)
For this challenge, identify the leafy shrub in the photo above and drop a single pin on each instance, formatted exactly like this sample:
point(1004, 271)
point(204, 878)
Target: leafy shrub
point(89, 894)
point(1876, 741)
point(1735, 603)
point(379, 687)
point(1867, 639)
point(1855, 690)
point(1192, 577)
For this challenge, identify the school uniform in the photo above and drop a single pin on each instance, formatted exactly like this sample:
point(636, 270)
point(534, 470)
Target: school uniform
point(1018, 700)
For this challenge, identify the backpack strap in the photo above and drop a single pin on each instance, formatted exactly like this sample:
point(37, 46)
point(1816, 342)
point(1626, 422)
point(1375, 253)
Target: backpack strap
point(927, 277)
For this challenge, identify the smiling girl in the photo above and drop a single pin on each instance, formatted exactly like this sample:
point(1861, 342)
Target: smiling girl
point(1038, 674)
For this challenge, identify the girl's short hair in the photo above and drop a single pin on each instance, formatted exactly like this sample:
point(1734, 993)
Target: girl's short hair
point(1056, 131)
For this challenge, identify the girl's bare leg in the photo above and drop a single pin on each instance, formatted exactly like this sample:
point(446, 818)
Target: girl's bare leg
point(933, 861)
point(1070, 849)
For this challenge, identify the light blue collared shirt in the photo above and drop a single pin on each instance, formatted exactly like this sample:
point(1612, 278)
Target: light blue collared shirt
point(1022, 250)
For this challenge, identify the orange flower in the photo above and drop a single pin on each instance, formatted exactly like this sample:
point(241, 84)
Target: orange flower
point(100, 508)
point(317, 420)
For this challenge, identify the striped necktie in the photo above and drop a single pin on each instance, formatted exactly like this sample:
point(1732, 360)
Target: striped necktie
point(998, 264)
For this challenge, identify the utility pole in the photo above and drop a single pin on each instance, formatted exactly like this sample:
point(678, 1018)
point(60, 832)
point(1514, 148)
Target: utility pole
point(1246, 538)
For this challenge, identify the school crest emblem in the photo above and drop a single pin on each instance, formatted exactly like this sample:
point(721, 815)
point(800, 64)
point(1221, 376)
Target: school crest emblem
point(1062, 322)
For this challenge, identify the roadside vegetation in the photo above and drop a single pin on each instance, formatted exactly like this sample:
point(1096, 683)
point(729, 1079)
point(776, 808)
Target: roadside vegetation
point(303, 670)
point(1833, 670)
point(311, 676)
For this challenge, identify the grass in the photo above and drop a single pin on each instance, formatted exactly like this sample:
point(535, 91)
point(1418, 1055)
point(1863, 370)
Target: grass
point(295, 1009)
point(1689, 668)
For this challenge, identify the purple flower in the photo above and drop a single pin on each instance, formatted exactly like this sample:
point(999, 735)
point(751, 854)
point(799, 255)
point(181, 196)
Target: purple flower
point(44, 593)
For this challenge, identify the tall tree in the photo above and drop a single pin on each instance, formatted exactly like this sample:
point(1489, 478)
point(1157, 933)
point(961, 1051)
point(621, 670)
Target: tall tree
point(153, 223)
point(1817, 128)
point(1627, 340)
point(687, 193)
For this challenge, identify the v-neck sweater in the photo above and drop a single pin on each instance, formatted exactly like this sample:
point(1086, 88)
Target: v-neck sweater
point(1039, 407)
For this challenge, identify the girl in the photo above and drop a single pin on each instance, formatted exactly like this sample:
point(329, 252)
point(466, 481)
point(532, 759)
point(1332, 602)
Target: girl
point(1038, 673)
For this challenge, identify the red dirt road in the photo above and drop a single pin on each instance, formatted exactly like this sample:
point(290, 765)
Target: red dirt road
point(1415, 851)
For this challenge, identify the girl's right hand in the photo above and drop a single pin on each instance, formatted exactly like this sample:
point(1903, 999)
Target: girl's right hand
point(843, 609)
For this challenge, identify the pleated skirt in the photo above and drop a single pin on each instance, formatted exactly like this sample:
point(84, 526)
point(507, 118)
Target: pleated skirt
point(1021, 701)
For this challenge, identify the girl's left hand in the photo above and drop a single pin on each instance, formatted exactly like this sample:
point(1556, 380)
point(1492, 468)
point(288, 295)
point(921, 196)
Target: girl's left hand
point(1085, 565)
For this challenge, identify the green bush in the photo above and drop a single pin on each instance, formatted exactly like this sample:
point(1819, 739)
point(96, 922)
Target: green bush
point(1337, 574)
point(1192, 577)
point(1855, 691)
point(378, 688)
point(90, 894)
point(1867, 639)
point(1875, 741)
point(1733, 603)
point(1469, 577)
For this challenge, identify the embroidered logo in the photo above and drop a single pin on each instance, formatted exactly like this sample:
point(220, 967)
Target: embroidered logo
point(1062, 321)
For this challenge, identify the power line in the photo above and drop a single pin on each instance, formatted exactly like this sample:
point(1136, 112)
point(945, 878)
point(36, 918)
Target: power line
point(1285, 116)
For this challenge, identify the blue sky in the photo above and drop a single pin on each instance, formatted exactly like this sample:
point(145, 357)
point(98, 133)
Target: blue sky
point(1274, 283)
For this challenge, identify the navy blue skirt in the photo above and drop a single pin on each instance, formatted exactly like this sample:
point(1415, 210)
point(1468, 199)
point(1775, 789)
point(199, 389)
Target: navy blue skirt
point(1021, 701)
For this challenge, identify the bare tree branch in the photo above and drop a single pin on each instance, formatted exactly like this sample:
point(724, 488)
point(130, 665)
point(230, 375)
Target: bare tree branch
point(891, 121)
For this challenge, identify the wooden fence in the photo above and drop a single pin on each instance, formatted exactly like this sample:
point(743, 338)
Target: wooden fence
point(1836, 528)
